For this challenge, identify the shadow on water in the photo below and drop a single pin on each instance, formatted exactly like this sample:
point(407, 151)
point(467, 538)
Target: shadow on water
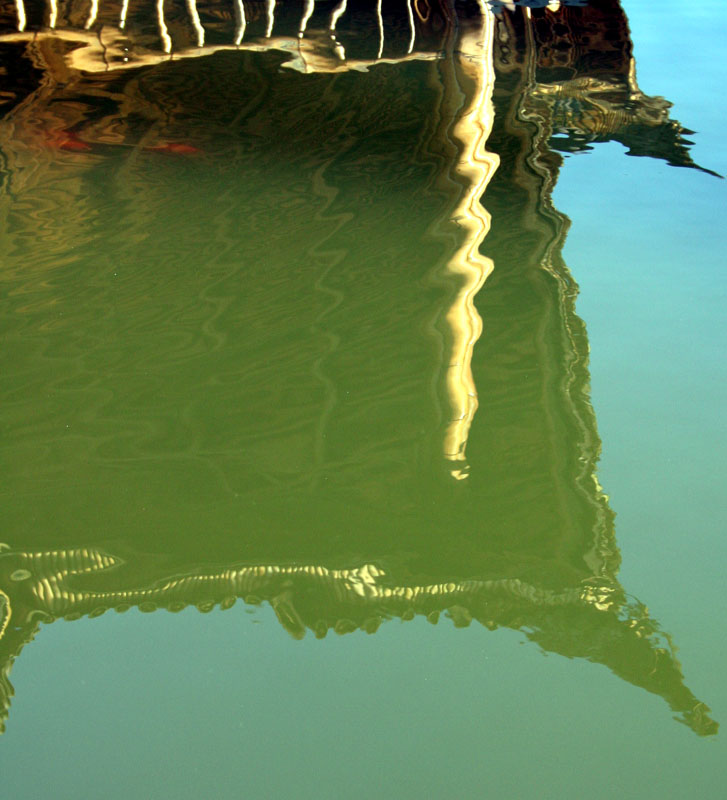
point(288, 320)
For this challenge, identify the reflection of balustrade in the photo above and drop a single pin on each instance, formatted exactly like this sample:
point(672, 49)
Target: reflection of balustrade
point(112, 36)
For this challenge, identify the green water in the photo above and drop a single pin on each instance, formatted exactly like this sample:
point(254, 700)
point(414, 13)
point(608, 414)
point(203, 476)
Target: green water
point(449, 539)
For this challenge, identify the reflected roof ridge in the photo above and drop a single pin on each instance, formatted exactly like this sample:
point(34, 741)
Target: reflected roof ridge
point(596, 621)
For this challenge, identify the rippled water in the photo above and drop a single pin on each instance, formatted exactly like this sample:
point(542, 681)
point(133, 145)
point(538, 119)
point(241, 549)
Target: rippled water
point(362, 322)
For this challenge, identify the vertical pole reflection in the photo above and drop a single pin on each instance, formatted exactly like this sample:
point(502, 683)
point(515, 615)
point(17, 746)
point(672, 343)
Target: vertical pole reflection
point(124, 12)
point(270, 10)
point(380, 23)
point(410, 16)
point(338, 12)
point(92, 14)
point(473, 170)
point(20, 13)
point(196, 23)
point(307, 13)
point(240, 22)
point(163, 30)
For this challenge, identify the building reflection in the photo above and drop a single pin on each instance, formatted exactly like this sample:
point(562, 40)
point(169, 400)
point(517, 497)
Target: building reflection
point(444, 157)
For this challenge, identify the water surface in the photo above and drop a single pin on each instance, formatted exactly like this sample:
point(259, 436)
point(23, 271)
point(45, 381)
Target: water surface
point(293, 330)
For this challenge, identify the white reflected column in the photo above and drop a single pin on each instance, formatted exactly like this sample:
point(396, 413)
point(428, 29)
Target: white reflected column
point(473, 171)
point(163, 30)
point(20, 14)
point(196, 23)
point(92, 14)
point(240, 22)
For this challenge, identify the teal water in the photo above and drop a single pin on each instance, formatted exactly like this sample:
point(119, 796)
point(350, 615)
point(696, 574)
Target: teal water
point(239, 357)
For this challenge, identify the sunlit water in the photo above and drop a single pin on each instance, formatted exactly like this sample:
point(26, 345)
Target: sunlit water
point(405, 373)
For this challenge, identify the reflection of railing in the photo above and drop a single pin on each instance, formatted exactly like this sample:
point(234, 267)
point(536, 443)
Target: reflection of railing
point(122, 17)
point(106, 41)
point(108, 49)
point(319, 51)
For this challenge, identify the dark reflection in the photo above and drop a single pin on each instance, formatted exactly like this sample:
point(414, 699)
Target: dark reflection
point(248, 335)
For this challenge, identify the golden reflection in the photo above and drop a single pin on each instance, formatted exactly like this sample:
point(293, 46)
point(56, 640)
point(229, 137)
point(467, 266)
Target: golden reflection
point(380, 23)
point(410, 18)
point(92, 14)
point(20, 13)
point(594, 621)
point(307, 14)
point(338, 12)
point(197, 25)
point(270, 8)
point(97, 51)
point(163, 30)
point(7, 613)
point(240, 22)
point(315, 53)
point(473, 170)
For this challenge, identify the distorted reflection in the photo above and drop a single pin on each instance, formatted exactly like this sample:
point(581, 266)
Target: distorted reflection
point(248, 329)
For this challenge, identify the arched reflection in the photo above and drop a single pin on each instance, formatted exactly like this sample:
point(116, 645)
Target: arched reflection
point(250, 322)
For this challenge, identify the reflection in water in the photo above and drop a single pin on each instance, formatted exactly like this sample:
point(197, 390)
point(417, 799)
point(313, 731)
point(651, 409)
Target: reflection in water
point(244, 307)
point(470, 170)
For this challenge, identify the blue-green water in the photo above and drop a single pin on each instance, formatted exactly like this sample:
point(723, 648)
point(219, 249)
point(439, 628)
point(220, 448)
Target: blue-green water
point(239, 357)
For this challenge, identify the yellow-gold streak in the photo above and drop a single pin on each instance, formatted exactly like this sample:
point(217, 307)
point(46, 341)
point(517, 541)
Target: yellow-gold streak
point(380, 22)
point(410, 14)
point(92, 14)
point(271, 18)
point(6, 621)
point(241, 21)
point(20, 11)
point(307, 13)
point(338, 12)
point(475, 169)
point(163, 30)
point(90, 57)
point(197, 25)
